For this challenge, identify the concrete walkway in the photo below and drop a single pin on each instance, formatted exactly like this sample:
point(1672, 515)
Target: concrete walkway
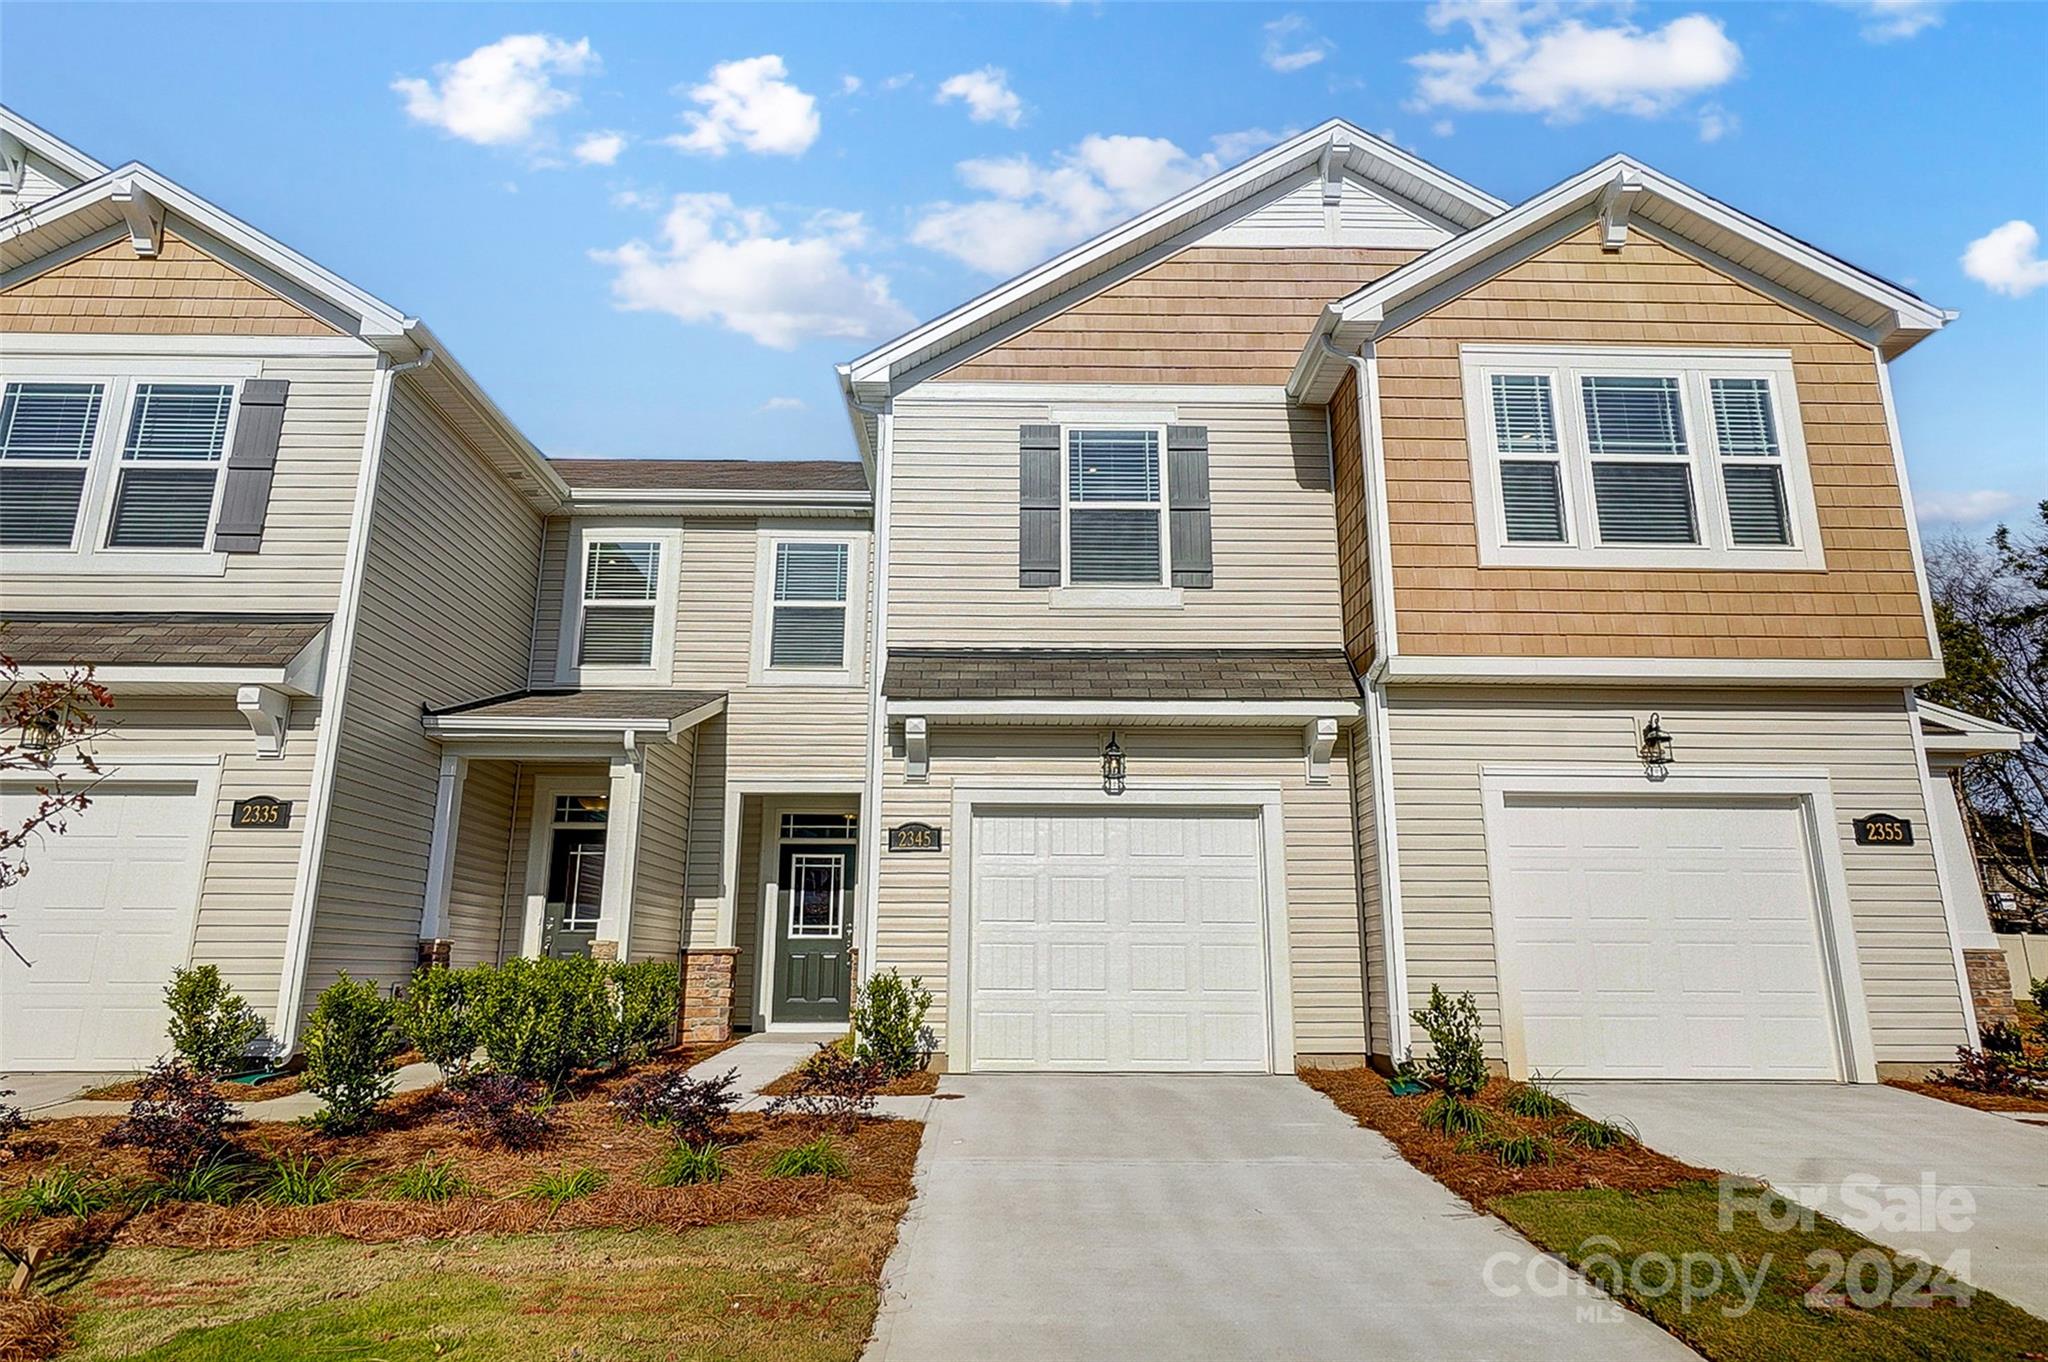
point(1810, 1139)
point(1134, 1217)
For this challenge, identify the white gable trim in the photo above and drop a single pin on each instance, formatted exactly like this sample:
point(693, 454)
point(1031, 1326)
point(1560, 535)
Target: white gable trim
point(18, 136)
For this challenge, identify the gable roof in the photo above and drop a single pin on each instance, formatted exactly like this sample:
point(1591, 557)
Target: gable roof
point(1958, 732)
point(1622, 192)
point(22, 144)
point(1408, 178)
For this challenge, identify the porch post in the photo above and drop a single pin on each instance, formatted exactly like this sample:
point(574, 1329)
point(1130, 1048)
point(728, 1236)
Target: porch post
point(1986, 973)
point(434, 942)
point(621, 851)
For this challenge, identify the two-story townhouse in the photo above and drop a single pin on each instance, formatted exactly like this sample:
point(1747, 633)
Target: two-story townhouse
point(1336, 583)
point(390, 685)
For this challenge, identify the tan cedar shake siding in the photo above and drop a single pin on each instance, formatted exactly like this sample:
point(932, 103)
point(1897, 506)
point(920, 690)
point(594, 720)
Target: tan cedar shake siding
point(1354, 570)
point(1211, 314)
point(1441, 739)
point(445, 617)
point(1864, 607)
point(181, 291)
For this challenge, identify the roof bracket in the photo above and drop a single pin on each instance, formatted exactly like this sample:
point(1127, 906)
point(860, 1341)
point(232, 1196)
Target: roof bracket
point(1617, 201)
point(1317, 738)
point(145, 217)
point(13, 163)
point(269, 712)
point(1335, 152)
point(917, 758)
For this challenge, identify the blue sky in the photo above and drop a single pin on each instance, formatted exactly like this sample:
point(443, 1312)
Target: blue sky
point(651, 230)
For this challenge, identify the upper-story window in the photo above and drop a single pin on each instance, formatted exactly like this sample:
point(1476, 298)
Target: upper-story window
point(1638, 458)
point(47, 433)
point(807, 621)
point(170, 465)
point(1115, 508)
point(621, 590)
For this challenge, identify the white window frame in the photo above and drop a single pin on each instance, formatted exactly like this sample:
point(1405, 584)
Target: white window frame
point(1115, 590)
point(89, 553)
point(853, 664)
point(660, 669)
point(1582, 548)
point(121, 463)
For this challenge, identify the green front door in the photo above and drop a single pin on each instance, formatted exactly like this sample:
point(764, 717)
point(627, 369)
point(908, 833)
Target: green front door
point(575, 891)
point(814, 927)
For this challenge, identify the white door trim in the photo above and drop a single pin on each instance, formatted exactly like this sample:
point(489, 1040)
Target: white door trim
point(540, 820)
point(769, 909)
point(1812, 792)
point(972, 796)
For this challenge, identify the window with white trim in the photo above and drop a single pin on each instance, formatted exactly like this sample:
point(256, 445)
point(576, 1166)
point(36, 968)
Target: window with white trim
point(807, 620)
point(170, 465)
point(1637, 457)
point(47, 433)
point(621, 595)
point(1115, 502)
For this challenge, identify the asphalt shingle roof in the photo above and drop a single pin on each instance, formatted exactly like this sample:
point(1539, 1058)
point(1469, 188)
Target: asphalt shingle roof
point(125, 639)
point(713, 475)
point(584, 704)
point(1118, 674)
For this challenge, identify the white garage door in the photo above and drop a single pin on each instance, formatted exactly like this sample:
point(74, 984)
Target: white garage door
point(95, 929)
point(1672, 941)
point(1116, 943)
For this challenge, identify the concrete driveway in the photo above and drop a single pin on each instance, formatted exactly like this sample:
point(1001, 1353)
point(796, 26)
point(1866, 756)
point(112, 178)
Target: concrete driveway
point(1133, 1217)
point(1820, 1135)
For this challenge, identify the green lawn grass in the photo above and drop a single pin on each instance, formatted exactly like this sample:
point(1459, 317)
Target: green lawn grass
point(1783, 1324)
point(803, 1290)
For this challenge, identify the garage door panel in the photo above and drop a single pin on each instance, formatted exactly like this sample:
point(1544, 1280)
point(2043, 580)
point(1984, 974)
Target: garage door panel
point(1146, 946)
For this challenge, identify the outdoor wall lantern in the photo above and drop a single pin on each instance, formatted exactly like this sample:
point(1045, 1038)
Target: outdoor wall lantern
point(41, 729)
point(1656, 748)
point(1112, 768)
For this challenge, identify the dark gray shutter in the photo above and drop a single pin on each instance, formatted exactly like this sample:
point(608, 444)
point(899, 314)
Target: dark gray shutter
point(245, 500)
point(1038, 506)
point(1187, 490)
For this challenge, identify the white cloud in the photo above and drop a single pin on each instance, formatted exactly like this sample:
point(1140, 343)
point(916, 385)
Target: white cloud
point(500, 93)
point(2007, 259)
point(1716, 123)
point(1292, 45)
point(1962, 508)
point(749, 103)
point(1443, 127)
point(849, 85)
point(899, 80)
point(1886, 21)
point(1524, 57)
point(987, 95)
point(600, 148)
point(1030, 210)
point(719, 263)
point(1231, 147)
point(775, 404)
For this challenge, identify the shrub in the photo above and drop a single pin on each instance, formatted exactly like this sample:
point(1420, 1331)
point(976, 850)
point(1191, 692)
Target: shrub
point(61, 1191)
point(219, 1179)
point(178, 1121)
point(641, 999)
point(505, 1110)
point(819, 1158)
point(1992, 1070)
point(1454, 1115)
point(350, 1038)
point(302, 1180)
point(888, 1024)
point(1511, 1150)
point(542, 1019)
point(1458, 1064)
point(687, 1165)
point(434, 1014)
point(12, 1119)
point(2039, 992)
point(1587, 1133)
point(692, 1110)
point(2003, 1038)
point(1536, 1100)
point(564, 1186)
point(429, 1180)
point(211, 1026)
point(833, 1087)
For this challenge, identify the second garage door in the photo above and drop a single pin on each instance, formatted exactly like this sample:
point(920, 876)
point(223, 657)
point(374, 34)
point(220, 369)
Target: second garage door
point(1675, 940)
point(1118, 942)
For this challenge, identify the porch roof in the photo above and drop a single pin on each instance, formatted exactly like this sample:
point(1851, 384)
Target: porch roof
point(173, 651)
point(1220, 674)
point(567, 713)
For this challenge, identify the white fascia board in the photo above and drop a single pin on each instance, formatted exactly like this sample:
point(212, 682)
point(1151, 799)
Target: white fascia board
point(50, 147)
point(1950, 730)
point(1305, 149)
point(456, 727)
point(164, 679)
point(1203, 712)
point(415, 339)
point(607, 499)
point(1627, 671)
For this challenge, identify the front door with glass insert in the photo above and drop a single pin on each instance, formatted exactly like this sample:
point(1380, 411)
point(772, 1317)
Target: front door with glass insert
point(814, 919)
point(575, 876)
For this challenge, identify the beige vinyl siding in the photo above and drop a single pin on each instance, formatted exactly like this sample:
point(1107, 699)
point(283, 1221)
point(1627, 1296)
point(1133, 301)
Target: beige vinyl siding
point(666, 777)
point(305, 533)
point(1325, 960)
point(1365, 832)
point(1865, 606)
point(445, 616)
point(953, 533)
point(181, 291)
point(245, 896)
point(1442, 738)
point(512, 927)
point(483, 855)
point(547, 602)
point(746, 931)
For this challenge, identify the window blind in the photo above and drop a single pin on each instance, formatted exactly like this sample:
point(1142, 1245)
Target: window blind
point(1644, 503)
point(1744, 425)
point(1114, 547)
point(46, 437)
point(1532, 502)
point(621, 581)
point(1113, 465)
point(1113, 519)
point(163, 501)
point(807, 624)
point(1631, 415)
point(1524, 419)
point(1756, 505)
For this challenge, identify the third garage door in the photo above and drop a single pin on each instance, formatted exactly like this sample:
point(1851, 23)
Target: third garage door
point(1118, 942)
point(1676, 940)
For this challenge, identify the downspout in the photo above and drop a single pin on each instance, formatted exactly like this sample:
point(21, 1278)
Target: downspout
point(1386, 845)
point(878, 656)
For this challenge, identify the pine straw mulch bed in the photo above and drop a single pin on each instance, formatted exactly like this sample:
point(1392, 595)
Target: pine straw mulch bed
point(922, 1083)
point(1965, 1097)
point(282, 1083)
point(1477, 1176)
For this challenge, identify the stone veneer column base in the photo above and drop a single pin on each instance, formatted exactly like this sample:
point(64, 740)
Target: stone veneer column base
point(1990, 987)
point(604, 950)
point(435, 952)
point(706, 1015)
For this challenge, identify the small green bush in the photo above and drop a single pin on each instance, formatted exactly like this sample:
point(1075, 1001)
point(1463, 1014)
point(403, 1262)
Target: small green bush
point(434, 1014)
point(820, 1158)
point(640, 1017)
point(689, 1164)
point(350, 1037)
point(302, 1180)
point(60, 1192)
point(211, 1026)
point(1510, 1150)
point(1534, 1099)
point(888, 1024)
point(542, 1019)
point(429, 1180)
point(1584, 1132)
point(2039, 991)
point(1458, 1062)
point(565, 1186)
point(1454, 1115)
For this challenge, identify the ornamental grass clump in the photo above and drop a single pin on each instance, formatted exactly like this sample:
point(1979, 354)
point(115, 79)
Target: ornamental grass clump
point(58, 1192)
point(429, 1180)
point(303, 1180)
point(1583, 1132)
point(559, 1188)
point(350, 1039)
point(211, 1026)
point(1533, 1099)
point(689, 1165)
point(819, 1158)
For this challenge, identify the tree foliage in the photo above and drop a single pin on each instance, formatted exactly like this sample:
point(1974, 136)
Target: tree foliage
point(47, 727)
